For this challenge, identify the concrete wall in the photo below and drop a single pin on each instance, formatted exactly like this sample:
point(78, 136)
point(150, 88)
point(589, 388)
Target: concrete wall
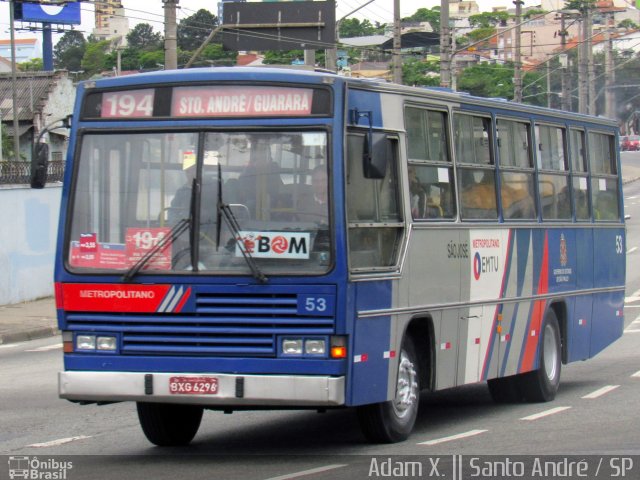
point(29, 225)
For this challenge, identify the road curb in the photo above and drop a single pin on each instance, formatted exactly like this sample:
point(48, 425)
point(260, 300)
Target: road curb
point(26, 335)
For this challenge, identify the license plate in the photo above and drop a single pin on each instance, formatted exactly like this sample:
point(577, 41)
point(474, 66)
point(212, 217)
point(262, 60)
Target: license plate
point(193, 385)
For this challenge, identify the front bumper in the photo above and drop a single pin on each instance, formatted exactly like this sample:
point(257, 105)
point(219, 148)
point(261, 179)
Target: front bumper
point(257, 390)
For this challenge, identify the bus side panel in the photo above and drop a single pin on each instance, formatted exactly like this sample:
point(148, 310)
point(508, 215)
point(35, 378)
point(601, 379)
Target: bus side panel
point(372, 355)
point(579, 311)
point(609, 271)
point(608, 320)
point(515, 316)
point(585, 258)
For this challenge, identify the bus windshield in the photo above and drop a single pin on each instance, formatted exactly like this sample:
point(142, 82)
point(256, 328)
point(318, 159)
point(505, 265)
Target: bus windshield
point(133, 188)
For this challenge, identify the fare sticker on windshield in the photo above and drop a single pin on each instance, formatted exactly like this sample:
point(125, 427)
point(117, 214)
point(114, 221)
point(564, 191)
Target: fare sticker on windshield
point(285, 245)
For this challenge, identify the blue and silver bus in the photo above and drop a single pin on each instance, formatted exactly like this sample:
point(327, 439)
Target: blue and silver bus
point(238, 238)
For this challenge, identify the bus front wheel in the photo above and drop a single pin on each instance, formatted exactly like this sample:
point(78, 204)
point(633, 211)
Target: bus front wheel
point(393, 420)
point(542, 384)
point(168, 425)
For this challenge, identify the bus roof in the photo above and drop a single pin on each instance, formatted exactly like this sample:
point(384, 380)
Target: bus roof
point(305, 74)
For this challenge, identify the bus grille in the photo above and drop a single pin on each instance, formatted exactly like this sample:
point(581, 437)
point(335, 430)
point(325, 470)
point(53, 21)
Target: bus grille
point(224, 324)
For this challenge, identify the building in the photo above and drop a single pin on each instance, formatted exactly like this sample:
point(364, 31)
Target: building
point(111, 22)
point(26, 49)
point(42, 98)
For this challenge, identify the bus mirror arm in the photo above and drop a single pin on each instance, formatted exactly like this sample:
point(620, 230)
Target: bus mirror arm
point(40, 153)
point(374, 160)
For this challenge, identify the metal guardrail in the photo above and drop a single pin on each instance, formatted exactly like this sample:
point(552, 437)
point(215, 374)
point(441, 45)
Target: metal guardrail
point(19, 173)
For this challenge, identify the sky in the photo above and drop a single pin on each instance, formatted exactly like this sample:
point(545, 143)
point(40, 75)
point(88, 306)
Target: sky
point(151, 12)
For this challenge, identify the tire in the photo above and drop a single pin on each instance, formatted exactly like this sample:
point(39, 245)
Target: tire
point(169, 425)
point(542, 385)
point(392, 421)
point(505, 389)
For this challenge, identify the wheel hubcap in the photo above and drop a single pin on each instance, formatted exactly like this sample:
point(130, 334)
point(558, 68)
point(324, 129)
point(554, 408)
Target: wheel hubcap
point(406, 387)
point(550, 353)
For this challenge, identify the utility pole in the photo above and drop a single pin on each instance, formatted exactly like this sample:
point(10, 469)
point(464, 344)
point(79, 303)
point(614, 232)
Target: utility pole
point(609, 73)
point(517, 71)
point(583, 80)
point(548, 82)
point(564, 61)
point(14, 83)
point(170, 35)
point(591, 83)
point(445, 45)
point(397, 44)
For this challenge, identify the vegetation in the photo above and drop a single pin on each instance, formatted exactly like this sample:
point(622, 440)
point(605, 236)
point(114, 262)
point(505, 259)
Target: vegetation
point(426, 15)
point(352, 27)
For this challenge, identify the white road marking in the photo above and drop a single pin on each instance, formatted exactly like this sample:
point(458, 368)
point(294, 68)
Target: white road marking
point(546, 413)
point(631, 250)
point(307, 472)
point(637, 374)
point(46, 348)
point(459, 436)
point(631, 330)
point(12, 345)
point(631, 298)
point(60, 441)
point(601, 391)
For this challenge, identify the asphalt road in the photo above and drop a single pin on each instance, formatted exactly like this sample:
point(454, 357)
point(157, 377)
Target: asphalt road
point(595, 413)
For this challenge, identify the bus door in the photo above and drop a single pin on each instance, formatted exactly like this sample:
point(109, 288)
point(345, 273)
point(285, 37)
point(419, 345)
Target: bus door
point(482, 334)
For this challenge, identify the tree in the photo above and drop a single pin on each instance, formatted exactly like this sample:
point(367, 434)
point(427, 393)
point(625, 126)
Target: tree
point(628, 24)
point(95, 57)
point(151, 60)
point(481, 33)
point(427, 15)
point(487, 80)
point(193, 30)
point(488, 19)
point(419, 72)
point(533, 12)
point(68, 52)
point(143, 38)
point(581, 5)
point(34, 65)
point(353, 27)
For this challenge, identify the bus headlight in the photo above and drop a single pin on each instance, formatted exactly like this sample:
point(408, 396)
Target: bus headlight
point(315, 347)
point(106, 344)
point(292, 346)
point(86, 342)
point(96, 343)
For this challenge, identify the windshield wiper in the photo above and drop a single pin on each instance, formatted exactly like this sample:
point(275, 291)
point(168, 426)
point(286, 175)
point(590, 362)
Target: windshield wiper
point(167, 240)
point(177, 230)
point(225, 211)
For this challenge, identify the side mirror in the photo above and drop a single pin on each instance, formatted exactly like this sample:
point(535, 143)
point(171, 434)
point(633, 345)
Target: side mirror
point(376, 154)
point(39, 165)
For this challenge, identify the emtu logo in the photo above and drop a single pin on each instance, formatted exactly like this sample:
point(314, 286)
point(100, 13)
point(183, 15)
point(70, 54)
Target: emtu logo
point(486, 264)
point(477, 260)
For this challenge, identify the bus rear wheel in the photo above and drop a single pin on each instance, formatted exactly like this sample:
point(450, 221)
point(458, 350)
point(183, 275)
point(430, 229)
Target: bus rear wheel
point(169, 425)
point(393, 420)
point(542, 384)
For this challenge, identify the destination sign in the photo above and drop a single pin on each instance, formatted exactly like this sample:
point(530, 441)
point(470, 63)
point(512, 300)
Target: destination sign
point(225, 101)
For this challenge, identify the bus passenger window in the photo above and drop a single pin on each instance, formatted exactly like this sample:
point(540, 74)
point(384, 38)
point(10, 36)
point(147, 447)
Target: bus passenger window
point(431, 195)
point(478, 194)
point(605, 199)
point(517, 196)
point(581, 198)
point(555, 198)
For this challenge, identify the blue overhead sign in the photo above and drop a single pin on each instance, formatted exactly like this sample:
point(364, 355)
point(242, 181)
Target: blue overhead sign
point(33, 12)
